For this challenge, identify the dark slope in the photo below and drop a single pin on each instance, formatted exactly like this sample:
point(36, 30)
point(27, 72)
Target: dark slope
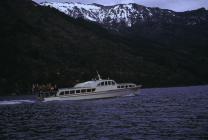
point(186, 37)
point(42, 45)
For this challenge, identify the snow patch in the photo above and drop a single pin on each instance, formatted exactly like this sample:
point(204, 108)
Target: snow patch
point(126, 13)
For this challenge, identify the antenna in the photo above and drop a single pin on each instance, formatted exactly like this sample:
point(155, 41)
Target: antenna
point(99, 78)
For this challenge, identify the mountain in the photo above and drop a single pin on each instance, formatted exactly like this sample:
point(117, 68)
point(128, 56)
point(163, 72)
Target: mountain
point(176, 30)
point(184, 34)
point(126, 14)
point(43, 45)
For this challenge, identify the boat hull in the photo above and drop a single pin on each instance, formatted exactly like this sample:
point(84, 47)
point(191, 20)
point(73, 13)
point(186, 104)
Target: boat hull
point(97, 95)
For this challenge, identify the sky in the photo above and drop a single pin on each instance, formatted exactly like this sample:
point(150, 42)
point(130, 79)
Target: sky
point(176, 5)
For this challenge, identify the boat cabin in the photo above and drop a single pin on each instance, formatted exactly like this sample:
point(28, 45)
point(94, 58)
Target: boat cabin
point(96, 83)
point(73, 91)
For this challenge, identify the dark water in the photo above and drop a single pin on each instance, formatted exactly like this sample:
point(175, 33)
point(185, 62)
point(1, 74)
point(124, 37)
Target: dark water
point(169, 113)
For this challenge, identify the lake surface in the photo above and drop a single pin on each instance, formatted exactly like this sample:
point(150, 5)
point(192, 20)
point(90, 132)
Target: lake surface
point(163, 113)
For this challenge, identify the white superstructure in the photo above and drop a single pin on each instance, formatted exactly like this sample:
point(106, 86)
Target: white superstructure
point(92, 90)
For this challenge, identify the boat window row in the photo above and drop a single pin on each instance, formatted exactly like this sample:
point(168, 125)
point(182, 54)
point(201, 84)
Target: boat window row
point(125, 86)
point(106, 83)
point(77, 91)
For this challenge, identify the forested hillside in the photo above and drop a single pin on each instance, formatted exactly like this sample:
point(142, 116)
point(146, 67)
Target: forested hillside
point(42, 45)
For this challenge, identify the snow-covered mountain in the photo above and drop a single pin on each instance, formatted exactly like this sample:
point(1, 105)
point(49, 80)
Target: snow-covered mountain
point(133, 20)
point(127, 14)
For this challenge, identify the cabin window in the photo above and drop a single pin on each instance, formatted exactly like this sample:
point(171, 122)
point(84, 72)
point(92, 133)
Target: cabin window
point(106, 83)
point(102, 84)
point(88, 90)
point(118, 86)
point(113, 83)
point(66, 92)
point(77, 91)
point(122, 86)
point(99, 84)
point(109, 83)
point(93, 90)
point(127, 86)
point(130, 85)
point(62, 93)
point(83, 90)
point(72, 92)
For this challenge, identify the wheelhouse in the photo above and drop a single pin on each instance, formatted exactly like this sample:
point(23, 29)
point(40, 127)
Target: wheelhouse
point(106, 83)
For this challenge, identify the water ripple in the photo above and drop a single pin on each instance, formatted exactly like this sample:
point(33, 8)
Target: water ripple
point(167, 113)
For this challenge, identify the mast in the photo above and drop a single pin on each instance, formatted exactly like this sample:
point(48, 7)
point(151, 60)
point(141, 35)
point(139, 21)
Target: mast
point(99, 77)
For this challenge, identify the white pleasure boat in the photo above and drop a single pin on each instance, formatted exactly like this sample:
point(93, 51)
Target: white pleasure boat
point(94, 89)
